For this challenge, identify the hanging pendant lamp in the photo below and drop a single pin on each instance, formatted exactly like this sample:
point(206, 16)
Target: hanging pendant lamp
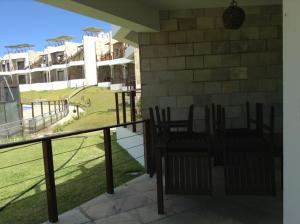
point(233, 16)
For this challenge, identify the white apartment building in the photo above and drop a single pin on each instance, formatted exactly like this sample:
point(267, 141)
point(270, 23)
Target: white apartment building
point(97, 60)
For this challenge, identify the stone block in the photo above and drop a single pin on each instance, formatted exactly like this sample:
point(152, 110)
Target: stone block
point(219, 23)
point(256, 71)
point(187, 24)
point(195, 36)
point(238, 73)
point(193, 62)
point(212, 87)
point(229, 60)
point(164, 15)
point(158, 64)
point(271, 9)
point(276, 19)
point(271, 58)
point(176, 63)
point(181, 14)
point(213, 12)
point(144, 38)
point(145, 65)
point(257, 97)
point(195, 88)
point(155, 90)
point(238, 46)
point(233, 111)
point(214, 35)
point(218, 74)
point(149, 78)
point(250, 33)
point(177, 89)
point(169, 25)
point(220, 47)
point(247, 86)
point(251, 10)
point(250, 59)
point(267, 85)
point(256, 45)
point(167, 102)
point(202, 48)
point(255, 20)
point(184, 49)
point(149, 101)
point(177, 37)
point(275, 45)
point(211, 61)
point(204, 23)
point(159, 38)
point(275, 71)
point(231, 86)
point(185, 101)
point(184, 75)
point(202, 100)
point(269, 32)
point(164, 76)
point(199, 112)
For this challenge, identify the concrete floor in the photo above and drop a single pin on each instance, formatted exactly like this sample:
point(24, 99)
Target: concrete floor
point(135, 203)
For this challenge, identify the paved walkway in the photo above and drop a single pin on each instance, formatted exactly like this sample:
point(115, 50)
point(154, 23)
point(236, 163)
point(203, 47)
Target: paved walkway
point(135, 203)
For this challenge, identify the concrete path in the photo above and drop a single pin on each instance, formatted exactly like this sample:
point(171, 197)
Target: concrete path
point(135, 203)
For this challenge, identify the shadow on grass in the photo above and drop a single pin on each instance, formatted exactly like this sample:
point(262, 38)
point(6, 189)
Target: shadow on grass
point(83, 184)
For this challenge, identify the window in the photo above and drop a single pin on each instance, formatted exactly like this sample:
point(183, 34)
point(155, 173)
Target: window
point(21, 65)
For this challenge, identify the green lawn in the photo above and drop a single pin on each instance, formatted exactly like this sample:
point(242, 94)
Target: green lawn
point(80, 176)
point(78, 160)
point(100, 112)
point(28, 97)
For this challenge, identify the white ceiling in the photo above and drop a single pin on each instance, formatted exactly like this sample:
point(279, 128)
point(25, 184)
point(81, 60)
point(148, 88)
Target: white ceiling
point(190, 4)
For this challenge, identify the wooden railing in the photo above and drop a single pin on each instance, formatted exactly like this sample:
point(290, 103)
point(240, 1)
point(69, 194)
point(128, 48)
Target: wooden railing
point(49, 165)
point(132, 105)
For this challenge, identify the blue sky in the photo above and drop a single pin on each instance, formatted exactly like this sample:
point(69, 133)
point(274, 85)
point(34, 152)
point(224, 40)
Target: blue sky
point(28, 21)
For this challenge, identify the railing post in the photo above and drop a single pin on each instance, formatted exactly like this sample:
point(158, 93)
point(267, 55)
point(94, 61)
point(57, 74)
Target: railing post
point(50, 181)
point(108, 162)
point(32, 109)
point(124, 107)
point(117, 107)
point(59, 106)
point(49, 105)
point(132, 110)
point(42, 109)
point(55, 106)
point(147, 148)
point(159, 181)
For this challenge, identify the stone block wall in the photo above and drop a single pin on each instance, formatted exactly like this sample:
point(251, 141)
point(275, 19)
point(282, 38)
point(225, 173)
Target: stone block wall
point(194, 60)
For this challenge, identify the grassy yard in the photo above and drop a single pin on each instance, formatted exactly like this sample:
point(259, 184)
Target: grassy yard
point(80, 176)
point(99, 112)
point(28, 97)
point(79, 161)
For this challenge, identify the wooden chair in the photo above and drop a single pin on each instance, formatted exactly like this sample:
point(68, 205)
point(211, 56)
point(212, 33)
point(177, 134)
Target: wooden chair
point(249, 159)
point(188, 163)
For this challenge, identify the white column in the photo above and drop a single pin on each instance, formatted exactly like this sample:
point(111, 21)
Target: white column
point(90, 63)
point(291, 111)
point(112, 73)
point(124, 72)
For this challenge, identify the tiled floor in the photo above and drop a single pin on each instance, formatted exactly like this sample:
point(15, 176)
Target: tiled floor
point(135, 203)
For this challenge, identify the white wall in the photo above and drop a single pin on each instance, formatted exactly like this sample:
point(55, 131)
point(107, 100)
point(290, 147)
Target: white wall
point(291, 110)
point(90, 67)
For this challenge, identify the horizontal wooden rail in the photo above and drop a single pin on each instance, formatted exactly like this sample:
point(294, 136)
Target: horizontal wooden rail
point(65, 134)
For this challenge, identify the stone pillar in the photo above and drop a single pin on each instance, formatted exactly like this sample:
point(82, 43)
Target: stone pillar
point(124, 67)
point(112, 73)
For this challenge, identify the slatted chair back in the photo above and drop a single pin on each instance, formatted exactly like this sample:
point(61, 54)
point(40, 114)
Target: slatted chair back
point(159, 123)
point(188, 165)
point(190, 119)
point(249, 168)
